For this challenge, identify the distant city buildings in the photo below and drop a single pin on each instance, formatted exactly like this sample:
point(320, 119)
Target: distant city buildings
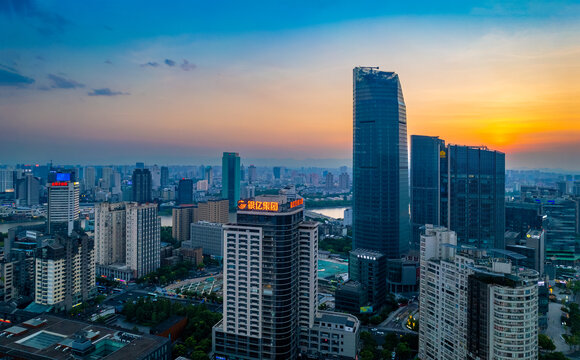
point(185, 191)
point(252, 174)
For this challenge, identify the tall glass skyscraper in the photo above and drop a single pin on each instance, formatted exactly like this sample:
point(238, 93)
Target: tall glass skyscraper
point(380, 163)
point(428, 194)
point(231, 178)
point(476, 179)
point(459, 187)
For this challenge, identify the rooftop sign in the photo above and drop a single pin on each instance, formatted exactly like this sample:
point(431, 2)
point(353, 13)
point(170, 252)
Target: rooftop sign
point(257, 205)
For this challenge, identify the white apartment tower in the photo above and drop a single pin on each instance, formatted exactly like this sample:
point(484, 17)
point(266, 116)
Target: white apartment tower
point(474, 306)
point(63, 205)
point(143, 238)
point(127, 237)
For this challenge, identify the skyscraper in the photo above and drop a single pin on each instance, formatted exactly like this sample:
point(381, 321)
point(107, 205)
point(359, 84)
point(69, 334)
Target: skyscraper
point(90, 178)
point(380, 164)
point(427, 165)
point(270, 287)
point(185, 191)
point(459, 187)
point(231, 178)
point(63, 206)
point(252, 174)
point(164, 176)
point(142, 186)
point(143, 238)
point(476, 177)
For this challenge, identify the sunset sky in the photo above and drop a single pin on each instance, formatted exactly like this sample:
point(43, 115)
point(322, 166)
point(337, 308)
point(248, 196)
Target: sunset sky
point(114, 82)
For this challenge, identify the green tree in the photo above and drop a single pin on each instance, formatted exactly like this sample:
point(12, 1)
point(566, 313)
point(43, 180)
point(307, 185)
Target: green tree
point(545, 342)
point(179, 350)
point(391, 342)
point(367, 354)
point(553, 356)
point(403, 351)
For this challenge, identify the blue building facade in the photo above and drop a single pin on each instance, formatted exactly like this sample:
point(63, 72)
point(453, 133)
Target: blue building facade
point(380, 163)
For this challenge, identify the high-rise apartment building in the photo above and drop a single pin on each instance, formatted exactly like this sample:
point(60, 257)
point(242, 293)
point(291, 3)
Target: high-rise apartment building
point(65, 271)
point(329, 181)
point(63, 206)
point(231, 178)
point(142, 186)
point(344, 181)
point(110, 233)
point(143, 238)
point(459, 187)
point(270, 288)
point(90, 178)
point(474, 306)
point(106, 178)
point(185, 191)
point(127, 239)
point(380, 164)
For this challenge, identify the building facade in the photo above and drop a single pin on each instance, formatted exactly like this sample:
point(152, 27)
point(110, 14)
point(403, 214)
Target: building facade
point(270, 287)
point(143, 238)
point(370, 269)
point(380, 164)
point(182, 218)
point(142, 186)
point(474, 306)
point(208, 236)
point(214, 210)
point(65, 272)
point(63, 206)
point(231, 178)
point(185, 191)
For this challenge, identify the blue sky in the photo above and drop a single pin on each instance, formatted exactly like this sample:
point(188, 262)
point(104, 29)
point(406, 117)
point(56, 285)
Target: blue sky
point(183, 82)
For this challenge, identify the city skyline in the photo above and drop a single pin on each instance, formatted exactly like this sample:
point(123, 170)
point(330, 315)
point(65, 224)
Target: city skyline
point(118, 89)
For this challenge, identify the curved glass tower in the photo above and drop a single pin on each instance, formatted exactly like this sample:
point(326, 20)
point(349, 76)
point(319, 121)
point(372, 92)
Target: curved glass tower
point(380, 163)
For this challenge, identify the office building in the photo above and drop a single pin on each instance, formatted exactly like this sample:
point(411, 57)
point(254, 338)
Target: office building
point(164, 176)
point(459, 187)
point(270, 288)
point(127, 239)
point(142, 186)
point(277, 170)
point(351, 297)
point(185, 191)
point(533, 247)
point(521, 217)
point(370, 269)
point(28, 190)
point(476, 181)
point(380, 164)
point(57, 338)
point(214, 210)
point(65, 272)
point(209, 236)
point(90, 178)
point(474, 306)
point(182, 217)
point(231, 178)
point(252, 174)
point(428, 162)
point(63, 206)
point(7, 180)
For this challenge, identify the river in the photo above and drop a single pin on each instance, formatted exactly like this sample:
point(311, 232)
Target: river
point(334, 212)
point(5, 226)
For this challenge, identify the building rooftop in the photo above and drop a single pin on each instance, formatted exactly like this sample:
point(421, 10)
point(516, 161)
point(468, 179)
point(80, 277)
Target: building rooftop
point(365, 252)
point(53, 338)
